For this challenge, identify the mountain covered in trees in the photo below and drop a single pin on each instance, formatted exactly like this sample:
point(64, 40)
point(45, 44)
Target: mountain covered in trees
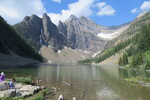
point(132, 46)
point(13, 46)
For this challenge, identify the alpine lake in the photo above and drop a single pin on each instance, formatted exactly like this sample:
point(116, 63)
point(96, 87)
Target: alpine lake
point(85, 82)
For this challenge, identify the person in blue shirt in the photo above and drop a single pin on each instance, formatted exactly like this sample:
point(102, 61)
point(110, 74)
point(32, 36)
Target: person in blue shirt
point(11, 83)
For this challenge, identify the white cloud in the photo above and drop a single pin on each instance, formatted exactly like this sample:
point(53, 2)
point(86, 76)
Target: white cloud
point(80, 8)
point(105, 9)
point(145, 5)
point(135, 10)
point(58, 1)
point(15, 10)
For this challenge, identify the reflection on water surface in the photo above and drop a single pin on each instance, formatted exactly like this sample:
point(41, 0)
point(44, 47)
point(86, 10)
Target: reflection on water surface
point(87, 82)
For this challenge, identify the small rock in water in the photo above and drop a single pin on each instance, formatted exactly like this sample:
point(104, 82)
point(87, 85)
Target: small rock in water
point(146, 85)
point(42, 87)
point(66, 83)
point(39, 80)
point(74, 98)
point(60, 97)
point(53, 88)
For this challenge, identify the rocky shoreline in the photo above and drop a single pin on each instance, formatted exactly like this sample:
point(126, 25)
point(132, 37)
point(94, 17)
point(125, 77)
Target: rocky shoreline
point(20, 90)
point(145, 82)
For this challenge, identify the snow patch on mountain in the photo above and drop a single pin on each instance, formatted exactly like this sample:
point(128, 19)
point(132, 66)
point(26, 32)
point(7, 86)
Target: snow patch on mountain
point(109, 36)
point(95, 54)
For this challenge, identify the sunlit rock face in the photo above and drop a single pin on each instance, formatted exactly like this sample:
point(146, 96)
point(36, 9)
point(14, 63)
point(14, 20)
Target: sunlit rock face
point(41, 31)
point(81, 33)
point(76, 33)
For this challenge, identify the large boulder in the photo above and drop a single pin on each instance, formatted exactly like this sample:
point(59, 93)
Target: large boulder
point(3, 85)
point(27, 90)
point(20, 90)
point(8, 93)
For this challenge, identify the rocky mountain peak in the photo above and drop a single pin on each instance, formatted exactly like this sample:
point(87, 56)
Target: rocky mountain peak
point(46, 17)
point(60, 23)
point(34, 16)
point(35, 19)
point(85, 18)
point(32, 19)
point(72, 18)
point(26, 18)
point(81, 33)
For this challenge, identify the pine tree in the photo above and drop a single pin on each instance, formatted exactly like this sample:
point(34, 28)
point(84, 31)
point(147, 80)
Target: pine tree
point(120, 61)
point(123, 59)
point(144, 41)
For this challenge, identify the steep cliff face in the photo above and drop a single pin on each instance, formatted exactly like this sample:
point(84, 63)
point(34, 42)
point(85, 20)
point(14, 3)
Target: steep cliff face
point(82, 33)
point(51, 34)
point(30, 28)
point(90, 25)
point(77, 33)
point(87, 35)
point(62, 28)
point(13, 45)
point(41, 31)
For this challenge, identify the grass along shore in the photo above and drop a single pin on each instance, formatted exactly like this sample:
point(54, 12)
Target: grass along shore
point(26, 89)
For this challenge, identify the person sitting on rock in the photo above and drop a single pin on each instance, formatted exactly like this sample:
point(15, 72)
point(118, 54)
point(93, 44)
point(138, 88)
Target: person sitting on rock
point(11, 83)
point(2, 77)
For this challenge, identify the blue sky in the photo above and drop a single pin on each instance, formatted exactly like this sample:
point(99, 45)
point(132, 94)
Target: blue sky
point(103, 12)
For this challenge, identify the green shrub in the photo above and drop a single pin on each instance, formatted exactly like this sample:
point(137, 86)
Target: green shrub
point(25, 80)
point(6, 98)
point(12, 98)
point(42, 93)
point(123, 60)
point(137, 79)
point(38, 98)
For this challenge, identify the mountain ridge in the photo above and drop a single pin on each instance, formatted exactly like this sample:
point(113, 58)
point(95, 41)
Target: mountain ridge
point(130, 49)
point(75, 33)
point(14, 50)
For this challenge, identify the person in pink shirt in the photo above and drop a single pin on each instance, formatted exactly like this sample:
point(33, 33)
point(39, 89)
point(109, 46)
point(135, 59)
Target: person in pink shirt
point(2, 77)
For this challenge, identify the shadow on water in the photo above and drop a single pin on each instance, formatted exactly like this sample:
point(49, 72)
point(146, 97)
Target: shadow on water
point(26, 70)
point(87, 82)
